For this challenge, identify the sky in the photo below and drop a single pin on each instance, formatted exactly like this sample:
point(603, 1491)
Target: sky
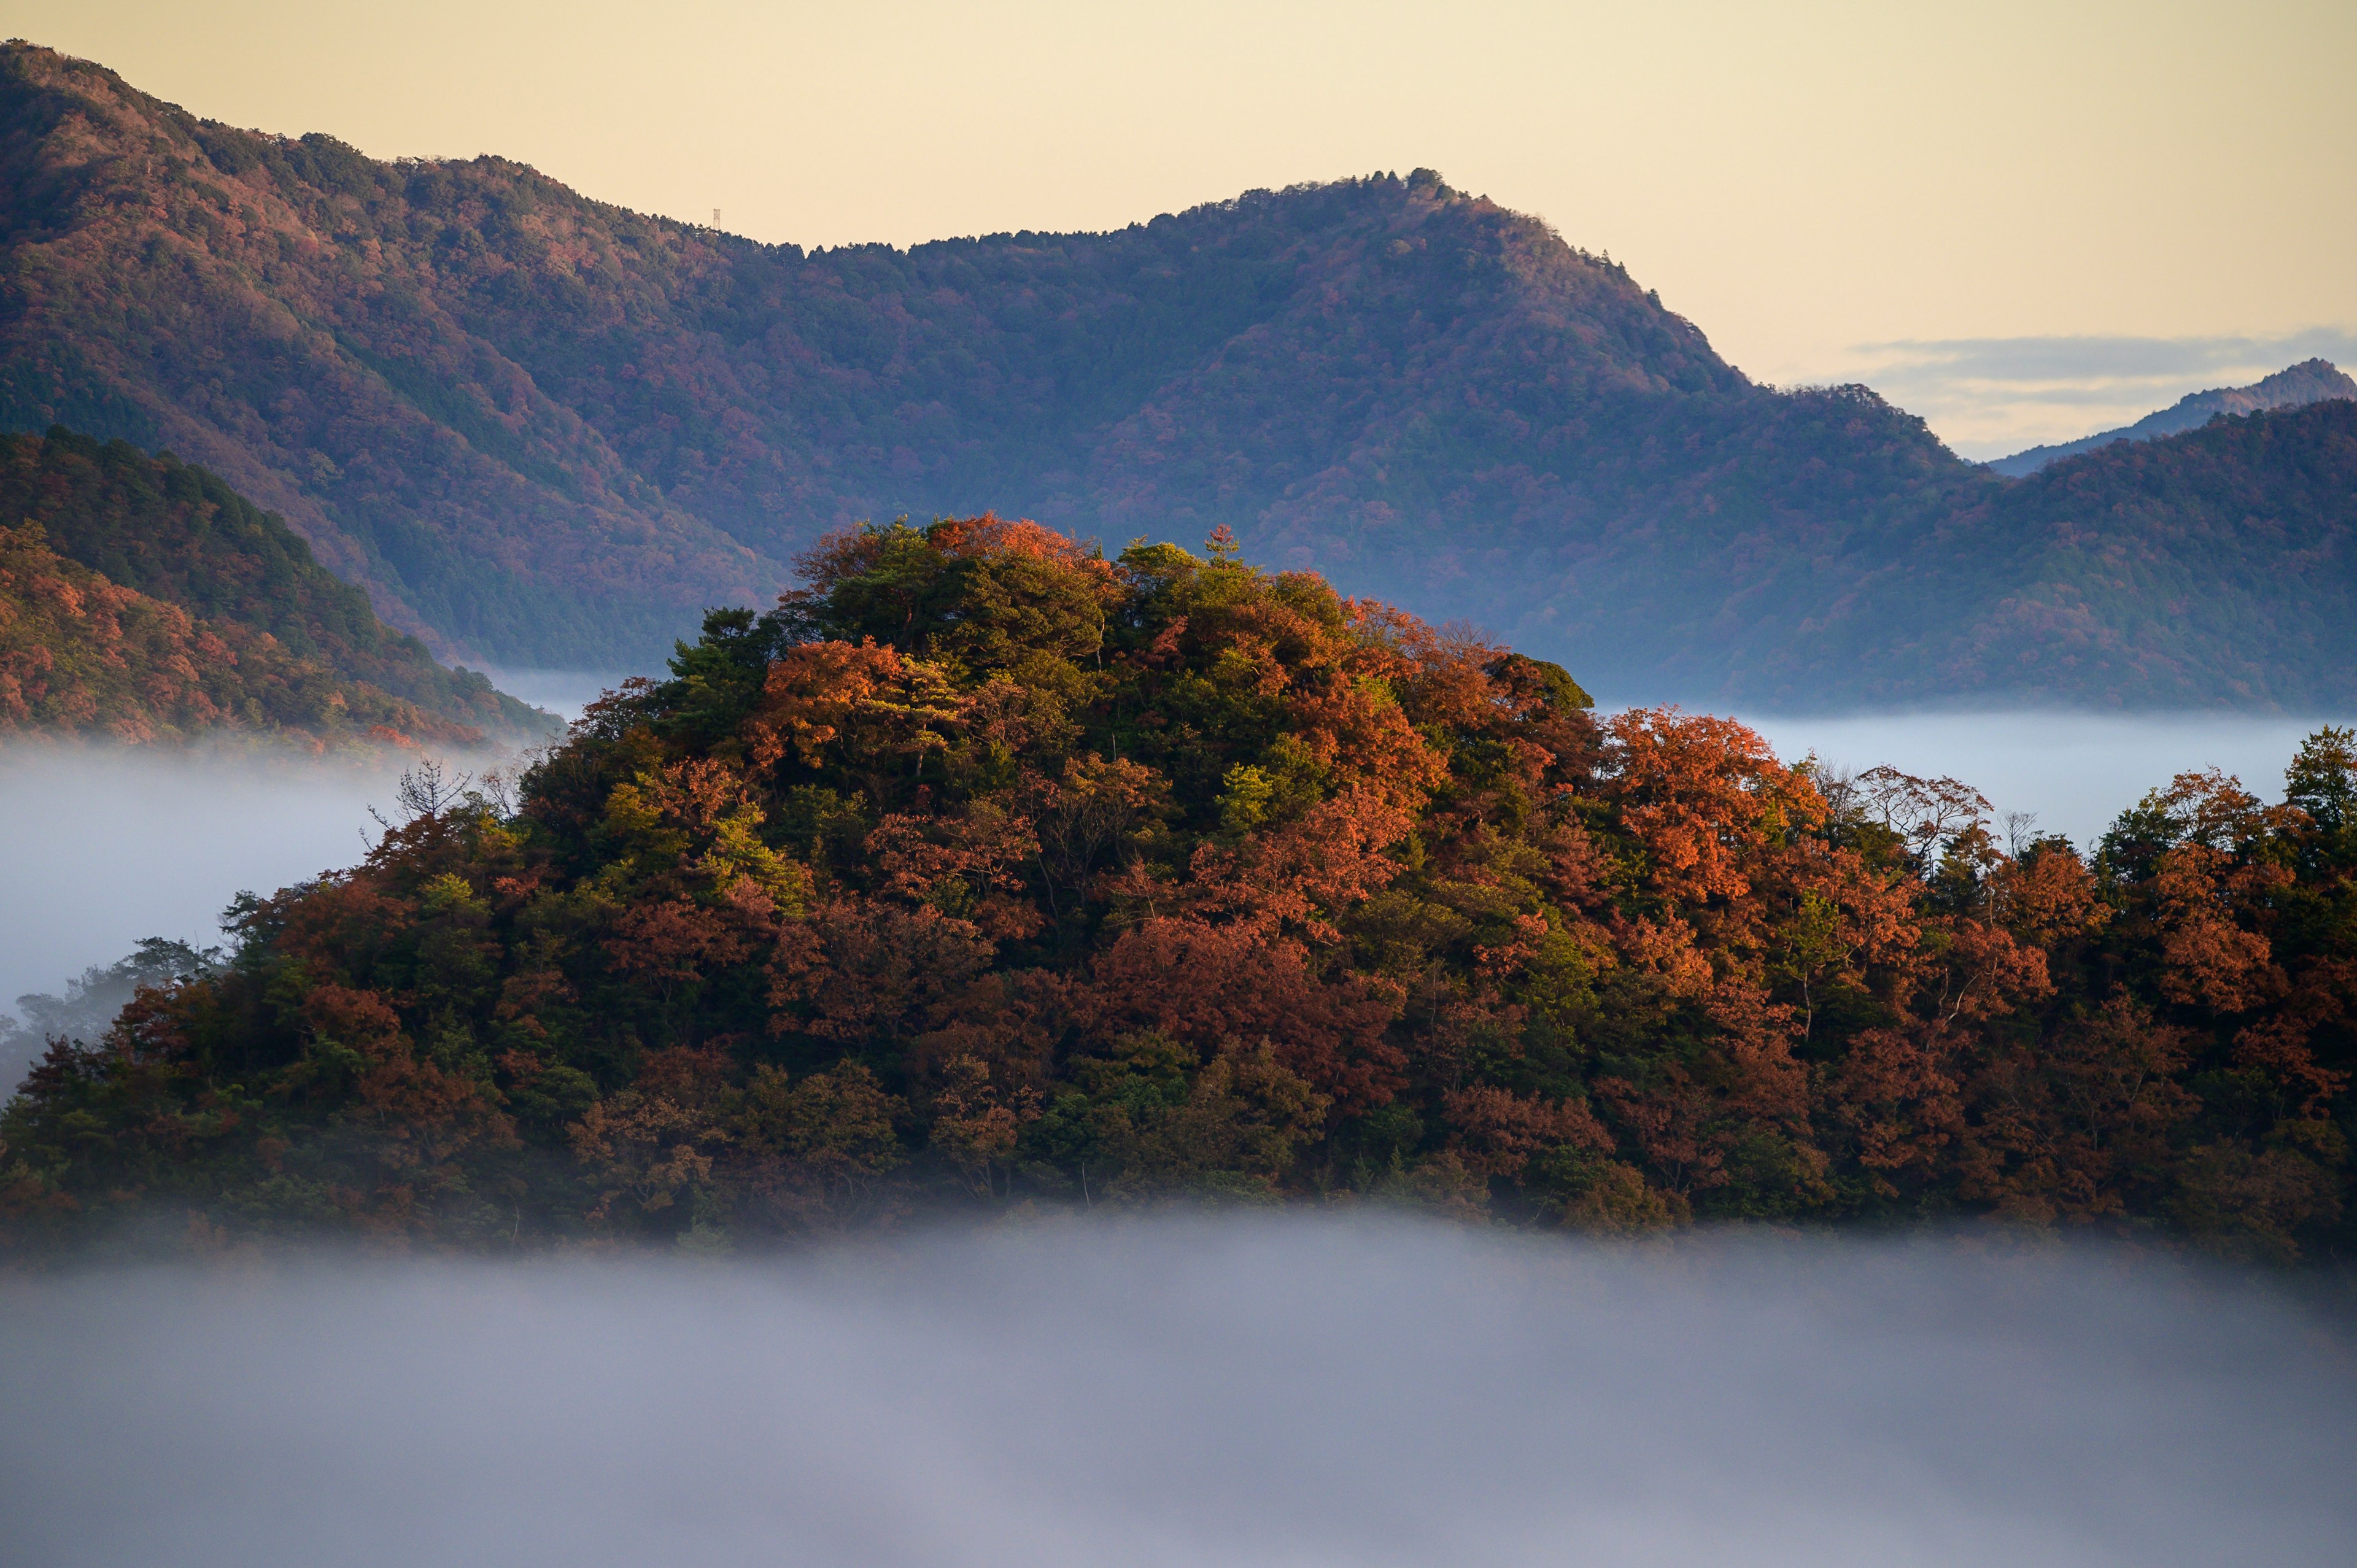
point(2024, 222)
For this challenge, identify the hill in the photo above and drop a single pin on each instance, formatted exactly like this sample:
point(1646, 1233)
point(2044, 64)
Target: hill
point(83, 656)
point(2294, 386)
point(168, 531)
point(985, 873)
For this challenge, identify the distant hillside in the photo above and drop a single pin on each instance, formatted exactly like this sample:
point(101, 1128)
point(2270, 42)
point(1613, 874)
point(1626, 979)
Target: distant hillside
point(2294, 386)
point(2213, 568)
point(83, 656)
point(174, 532)
point(546, 431)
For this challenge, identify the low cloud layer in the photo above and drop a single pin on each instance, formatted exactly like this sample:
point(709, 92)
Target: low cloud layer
point(2074, 772)
point(1182, 1392)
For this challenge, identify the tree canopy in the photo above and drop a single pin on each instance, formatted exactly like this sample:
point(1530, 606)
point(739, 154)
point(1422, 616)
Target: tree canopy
point(985, 870)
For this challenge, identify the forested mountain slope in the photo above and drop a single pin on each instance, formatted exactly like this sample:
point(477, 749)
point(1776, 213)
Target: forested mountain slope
point(80, 656)
point(988, 874)
point(174, 533)
point(2217, 564)
point(2294, 386)
point(547, 430)
point(2213, 568)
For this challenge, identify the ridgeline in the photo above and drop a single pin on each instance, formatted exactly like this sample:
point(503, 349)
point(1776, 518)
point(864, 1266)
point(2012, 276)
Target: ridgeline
point(544, 431)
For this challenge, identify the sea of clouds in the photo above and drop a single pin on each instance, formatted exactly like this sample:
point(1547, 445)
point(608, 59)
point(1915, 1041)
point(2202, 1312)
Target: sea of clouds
point(1182, 1391)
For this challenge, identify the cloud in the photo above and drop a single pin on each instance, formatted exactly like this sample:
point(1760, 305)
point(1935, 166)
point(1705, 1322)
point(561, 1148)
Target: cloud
point(2067, 361)
point(1990, 396)
point(1182, 1391)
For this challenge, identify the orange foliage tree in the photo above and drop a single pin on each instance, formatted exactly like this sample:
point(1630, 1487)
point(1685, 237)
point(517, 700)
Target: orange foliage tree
point(988, 870)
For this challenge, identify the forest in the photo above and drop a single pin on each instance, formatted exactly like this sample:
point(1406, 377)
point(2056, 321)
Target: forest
point(987, 874)
point(546, 432)
point(231, 623)
point(83, 656)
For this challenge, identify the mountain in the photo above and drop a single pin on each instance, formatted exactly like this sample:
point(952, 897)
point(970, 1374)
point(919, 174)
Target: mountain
point(2213, 568)
point(546, 430)
point(2294, 386)
point(177, 532)
point(988, 875)
point(543, 431)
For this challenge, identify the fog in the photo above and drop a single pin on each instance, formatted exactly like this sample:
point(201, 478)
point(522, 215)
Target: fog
point(2075, 771)
point(564, 692)
point(1294, 1392)
point(102, 846)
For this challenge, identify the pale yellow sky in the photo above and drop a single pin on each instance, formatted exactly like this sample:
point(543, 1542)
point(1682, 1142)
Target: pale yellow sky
point(1923, 196)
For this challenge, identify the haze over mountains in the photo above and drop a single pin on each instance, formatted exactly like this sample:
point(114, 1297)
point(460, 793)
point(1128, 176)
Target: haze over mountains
point(544, 432)
point(2294, 386)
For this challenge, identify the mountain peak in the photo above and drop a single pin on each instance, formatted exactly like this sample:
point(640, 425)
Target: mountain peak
point(547, 431)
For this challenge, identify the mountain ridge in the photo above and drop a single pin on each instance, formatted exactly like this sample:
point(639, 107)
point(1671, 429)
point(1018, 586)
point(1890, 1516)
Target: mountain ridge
point(644, 407)
point(2314, 380)
point(545, 431)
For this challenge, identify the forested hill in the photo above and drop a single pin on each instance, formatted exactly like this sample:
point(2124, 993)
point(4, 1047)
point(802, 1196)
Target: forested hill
point(148, 600)
point(176, 533)
point(986, 874)
point(84, 657)
point(548, 430)
point(545, 431)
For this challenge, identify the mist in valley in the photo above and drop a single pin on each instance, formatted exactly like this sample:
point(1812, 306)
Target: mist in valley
point(102, 847)
point(2073, 771)
point(1180, 1392)
point(564, 692)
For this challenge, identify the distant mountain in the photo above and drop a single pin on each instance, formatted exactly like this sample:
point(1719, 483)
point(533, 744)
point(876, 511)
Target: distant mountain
point(546, 430)
point(146, 600)
point(543, 431)
point(2217, 567)
point(2294, 386)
